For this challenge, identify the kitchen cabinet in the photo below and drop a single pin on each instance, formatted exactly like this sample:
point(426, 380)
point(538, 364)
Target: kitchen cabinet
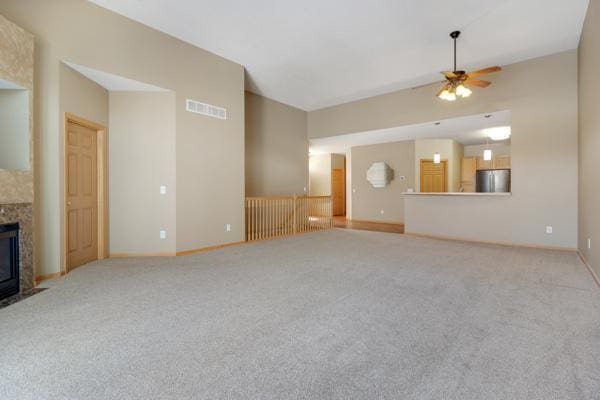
point(483, 164)
point(502, 162)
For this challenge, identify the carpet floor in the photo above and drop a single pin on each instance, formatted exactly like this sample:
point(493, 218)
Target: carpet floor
point(338, 314)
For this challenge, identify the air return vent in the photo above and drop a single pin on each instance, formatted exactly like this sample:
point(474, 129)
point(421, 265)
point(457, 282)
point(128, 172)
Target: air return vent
point(205, 109)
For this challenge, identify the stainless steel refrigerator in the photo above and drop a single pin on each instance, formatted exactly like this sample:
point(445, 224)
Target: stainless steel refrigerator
point(493, 180)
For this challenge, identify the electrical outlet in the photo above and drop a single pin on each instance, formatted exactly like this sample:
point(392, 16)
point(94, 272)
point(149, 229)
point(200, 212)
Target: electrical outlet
point(305, 190)
point(163, 234)
point(228, 227)
point(549, 230)
point(353, 190)
point(589, 243)
point(382, 212)
point(163, 189)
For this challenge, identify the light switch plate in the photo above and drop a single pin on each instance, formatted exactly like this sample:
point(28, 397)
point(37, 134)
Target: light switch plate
point(163, 189)
point(228, 227)
point(549, 230)
point(163, 234)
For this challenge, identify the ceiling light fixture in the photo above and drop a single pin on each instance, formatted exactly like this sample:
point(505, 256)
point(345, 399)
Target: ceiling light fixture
point(456, 80)
point(498, 133)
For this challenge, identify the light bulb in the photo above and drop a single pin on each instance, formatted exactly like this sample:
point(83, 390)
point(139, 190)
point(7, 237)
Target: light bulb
point(437, 158)
point(463, 91)
point(487, 155)
point(447, 95)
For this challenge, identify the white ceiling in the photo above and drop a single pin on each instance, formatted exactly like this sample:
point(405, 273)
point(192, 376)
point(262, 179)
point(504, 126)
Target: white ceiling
point(466, 130)
point(317, 53)
point(113, 82)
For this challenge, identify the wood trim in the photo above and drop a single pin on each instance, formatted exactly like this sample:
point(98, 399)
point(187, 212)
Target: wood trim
point(129, 255)
point(374, 221)
point(285, 197)
point(208, 248)
point(589, 268)
point(498, 243)
point(102, 182)
point(41, 278)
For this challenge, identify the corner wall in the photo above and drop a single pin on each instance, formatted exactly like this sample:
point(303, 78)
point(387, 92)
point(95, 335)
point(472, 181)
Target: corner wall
point(589, 137)
point(141, 159)
point(276, 148)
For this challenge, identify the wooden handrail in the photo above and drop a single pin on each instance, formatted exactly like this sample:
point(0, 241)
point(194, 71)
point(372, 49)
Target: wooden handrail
point(273, 216)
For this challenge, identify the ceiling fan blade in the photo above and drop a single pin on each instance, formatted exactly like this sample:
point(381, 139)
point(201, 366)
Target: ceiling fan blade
point(449, 74)
point(427, 84)
point(477, 82)
point(487, 70)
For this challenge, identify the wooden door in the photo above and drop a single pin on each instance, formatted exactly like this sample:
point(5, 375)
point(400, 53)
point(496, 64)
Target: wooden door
point(434, 176)
point(81, 191)
point(467, 173)
point(338, 191)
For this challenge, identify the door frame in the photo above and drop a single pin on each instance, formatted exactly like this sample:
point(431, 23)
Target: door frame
point(102, 186)
point(445, 162)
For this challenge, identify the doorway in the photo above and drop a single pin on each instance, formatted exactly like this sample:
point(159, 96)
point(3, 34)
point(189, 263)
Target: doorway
point(434, 176)
point(85, 194)
point(338, 191)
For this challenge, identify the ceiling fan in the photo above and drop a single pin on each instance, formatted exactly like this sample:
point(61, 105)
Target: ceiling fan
point(457, 81)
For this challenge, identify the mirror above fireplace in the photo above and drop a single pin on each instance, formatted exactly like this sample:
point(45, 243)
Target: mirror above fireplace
point(14, 127)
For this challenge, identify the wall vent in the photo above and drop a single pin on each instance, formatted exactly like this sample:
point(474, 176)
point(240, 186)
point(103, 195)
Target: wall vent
point(205, 109)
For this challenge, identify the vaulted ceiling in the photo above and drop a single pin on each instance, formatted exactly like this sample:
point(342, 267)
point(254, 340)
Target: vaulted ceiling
point(316, 53)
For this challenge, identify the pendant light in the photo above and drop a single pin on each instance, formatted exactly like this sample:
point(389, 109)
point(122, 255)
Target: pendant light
point(487, 153)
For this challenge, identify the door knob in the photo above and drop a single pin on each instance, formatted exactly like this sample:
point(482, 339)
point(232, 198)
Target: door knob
point(68, 203)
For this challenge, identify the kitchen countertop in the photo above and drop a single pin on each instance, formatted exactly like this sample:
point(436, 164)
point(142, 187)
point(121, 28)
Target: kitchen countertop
point(457, 194)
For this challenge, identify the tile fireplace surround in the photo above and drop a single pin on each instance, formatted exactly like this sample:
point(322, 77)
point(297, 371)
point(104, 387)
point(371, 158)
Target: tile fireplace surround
point(22, 213)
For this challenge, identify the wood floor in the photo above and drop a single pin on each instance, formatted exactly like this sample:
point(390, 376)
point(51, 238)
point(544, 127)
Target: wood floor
point(342, 222)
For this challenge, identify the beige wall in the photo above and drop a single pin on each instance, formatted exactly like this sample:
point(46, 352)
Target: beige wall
point(276, 148)
point(209, 152)
point(14, 129)
point(367, 201)
point(498, 149)
point(458, 153)
point(449, 150)
point(319, 166)
point(544, 151)
point(589, 137)
point(16, 66)
point(141, 159)
point(338, 161)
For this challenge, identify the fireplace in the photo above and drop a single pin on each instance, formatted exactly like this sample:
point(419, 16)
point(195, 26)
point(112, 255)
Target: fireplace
point(9, 260)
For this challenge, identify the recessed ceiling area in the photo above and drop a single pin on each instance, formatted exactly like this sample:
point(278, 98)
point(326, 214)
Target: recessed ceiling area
point(313, 53)
point(468, 130)
point(112, 82)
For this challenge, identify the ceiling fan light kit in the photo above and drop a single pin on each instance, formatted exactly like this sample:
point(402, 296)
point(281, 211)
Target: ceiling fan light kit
point(457, 81)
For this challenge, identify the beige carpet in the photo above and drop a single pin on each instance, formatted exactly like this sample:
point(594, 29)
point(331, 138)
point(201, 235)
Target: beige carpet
point(339, 314)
